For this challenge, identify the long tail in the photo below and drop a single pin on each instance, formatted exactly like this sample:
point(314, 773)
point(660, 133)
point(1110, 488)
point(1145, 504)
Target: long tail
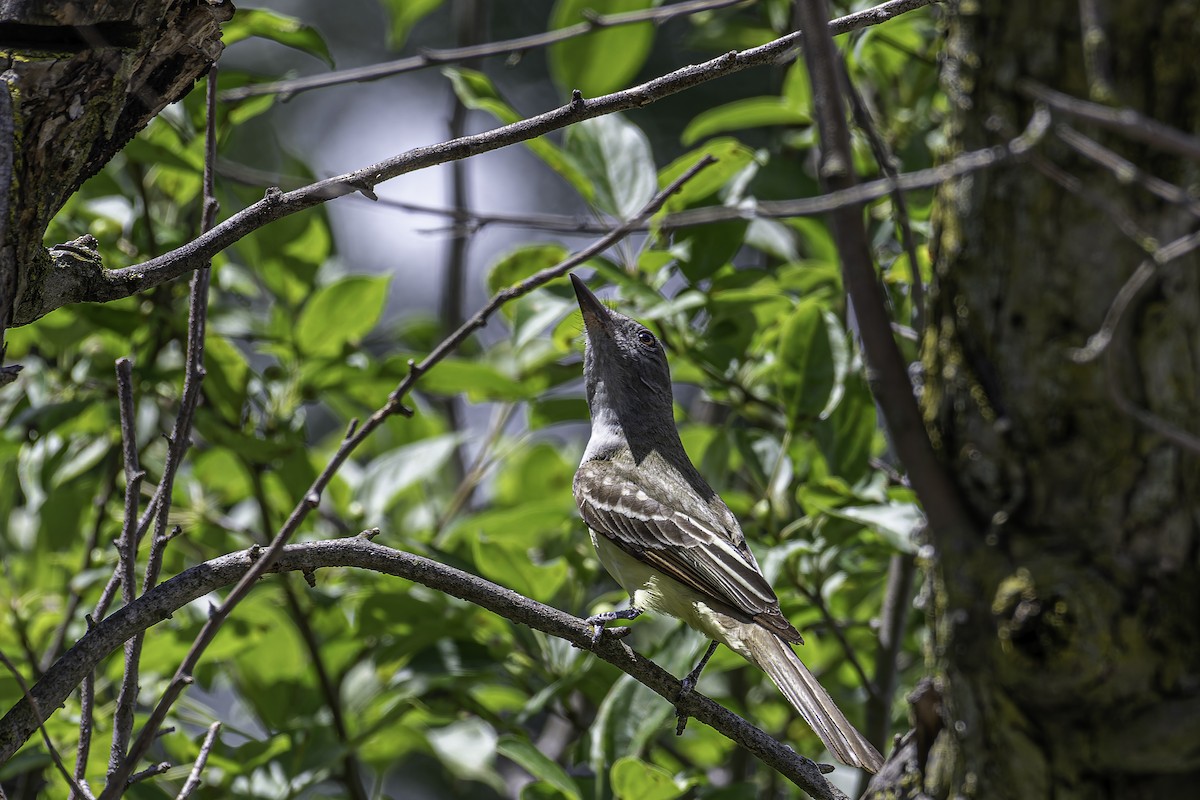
point(776, 658)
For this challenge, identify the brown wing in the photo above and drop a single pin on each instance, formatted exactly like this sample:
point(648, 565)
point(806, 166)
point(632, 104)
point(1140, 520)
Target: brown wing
point(679, 543)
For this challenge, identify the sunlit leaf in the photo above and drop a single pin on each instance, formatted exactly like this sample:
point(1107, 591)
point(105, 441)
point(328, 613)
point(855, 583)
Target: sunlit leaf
point(391, 473)
point(475, 90)
point(604, 60)
point(340, 313)
point(632, 777)
point(277, 27)
point(404, 14)
point(754, 112)
point(523, 753)
point(615, 156)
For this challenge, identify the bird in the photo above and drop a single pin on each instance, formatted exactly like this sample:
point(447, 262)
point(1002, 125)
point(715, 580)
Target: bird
point(667, 538)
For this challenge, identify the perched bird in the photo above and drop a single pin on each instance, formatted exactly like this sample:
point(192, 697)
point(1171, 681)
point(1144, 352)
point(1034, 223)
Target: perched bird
point(668, 538)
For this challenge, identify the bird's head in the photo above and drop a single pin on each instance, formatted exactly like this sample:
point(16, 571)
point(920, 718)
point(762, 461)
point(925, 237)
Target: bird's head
point(624, 364)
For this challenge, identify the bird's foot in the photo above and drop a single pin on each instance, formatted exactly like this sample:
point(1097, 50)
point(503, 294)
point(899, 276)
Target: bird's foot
point(686, 686)
point(598, 621)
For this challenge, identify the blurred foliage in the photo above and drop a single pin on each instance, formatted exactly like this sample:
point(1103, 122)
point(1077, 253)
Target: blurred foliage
point(439, 698)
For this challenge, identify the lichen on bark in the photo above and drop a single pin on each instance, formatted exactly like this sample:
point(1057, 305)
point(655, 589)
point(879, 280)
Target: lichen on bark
point(1061, 673)
point(81, 79)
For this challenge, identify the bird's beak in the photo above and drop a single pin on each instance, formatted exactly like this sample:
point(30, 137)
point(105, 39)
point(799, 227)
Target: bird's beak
point(595, 315)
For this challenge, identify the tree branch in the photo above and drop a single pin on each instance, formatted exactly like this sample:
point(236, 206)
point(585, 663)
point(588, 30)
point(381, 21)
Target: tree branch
point(893, 391)
point(127, 548)
point(359, 552)
point(355, 435)
point(77, 280)
point(78, 788)
point(595, 22)
point(193, 781)
point(1132, 124)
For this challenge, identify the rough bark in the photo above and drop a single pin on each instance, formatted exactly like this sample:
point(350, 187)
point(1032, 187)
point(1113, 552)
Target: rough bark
point(1067, 638)
point(80, 79)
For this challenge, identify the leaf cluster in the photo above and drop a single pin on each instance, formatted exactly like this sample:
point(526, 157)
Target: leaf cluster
point(422, 690)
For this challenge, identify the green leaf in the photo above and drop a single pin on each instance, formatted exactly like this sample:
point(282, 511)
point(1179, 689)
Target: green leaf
point(896, 522)
point(806, 369)
point(753, 112)
point(395, 471)
point(404, 15)
point(340, 313)
point(615, 156)
point(602, 61)
point(511, 564)
point(733, 158)
point(634, 779)
point(286, 255)
point(281, 28)
point(529, 758)
point(466, 747)
point(476, 91)
point(797, 89)
point(551, 410)
point(226, 378)
point(848, 435)
point(516, 266)
point(707, 248)
point(478, 380)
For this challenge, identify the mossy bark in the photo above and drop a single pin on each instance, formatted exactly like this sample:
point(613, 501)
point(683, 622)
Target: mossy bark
point(1067, 636)
point(80, 80)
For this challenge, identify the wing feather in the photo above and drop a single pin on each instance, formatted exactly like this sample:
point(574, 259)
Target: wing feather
point(699, 554)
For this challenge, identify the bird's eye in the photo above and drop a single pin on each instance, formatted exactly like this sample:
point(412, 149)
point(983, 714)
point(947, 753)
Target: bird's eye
point(645, 338)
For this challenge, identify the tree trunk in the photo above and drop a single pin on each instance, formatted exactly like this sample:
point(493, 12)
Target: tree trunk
point(80, 80)
point(1067, 635)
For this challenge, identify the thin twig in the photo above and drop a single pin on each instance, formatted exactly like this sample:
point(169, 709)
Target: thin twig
point(149, 772)
point(897, 602)
point(361, 553)
point(193, 780)
point(887, 165)
point(329, 690)
point(815, 598)
point(858, 194)
point(471, 52)
point(891, 386)
point(469, 17)
point(473, 474)
point(120, 765)
point(1100, 340)
point(1103, 341)
point(1132, 124)
point(1097, 58)
point(87, 720)
point(1099, 200)
point(1125, 170)
point(95, 284)
point(354, 436)
point(127, 550)
point(78, 787)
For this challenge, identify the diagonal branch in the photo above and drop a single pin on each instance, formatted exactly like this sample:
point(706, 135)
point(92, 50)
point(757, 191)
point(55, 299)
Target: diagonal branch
point(193, 780)
point(127, 548)
point(593, 22)
point(359, 552)
point(1126, 121)
point(355, 435)
point(77, 280)
point(948, 517)
point(78, 787)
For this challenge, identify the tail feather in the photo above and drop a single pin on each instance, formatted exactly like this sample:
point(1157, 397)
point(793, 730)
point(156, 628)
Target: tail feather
point(776, 658)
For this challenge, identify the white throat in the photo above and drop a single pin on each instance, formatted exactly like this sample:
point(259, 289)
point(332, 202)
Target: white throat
point(606, 433)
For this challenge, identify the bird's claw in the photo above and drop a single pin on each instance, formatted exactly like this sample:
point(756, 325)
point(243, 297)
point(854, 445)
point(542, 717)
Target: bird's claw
point(685, 688)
